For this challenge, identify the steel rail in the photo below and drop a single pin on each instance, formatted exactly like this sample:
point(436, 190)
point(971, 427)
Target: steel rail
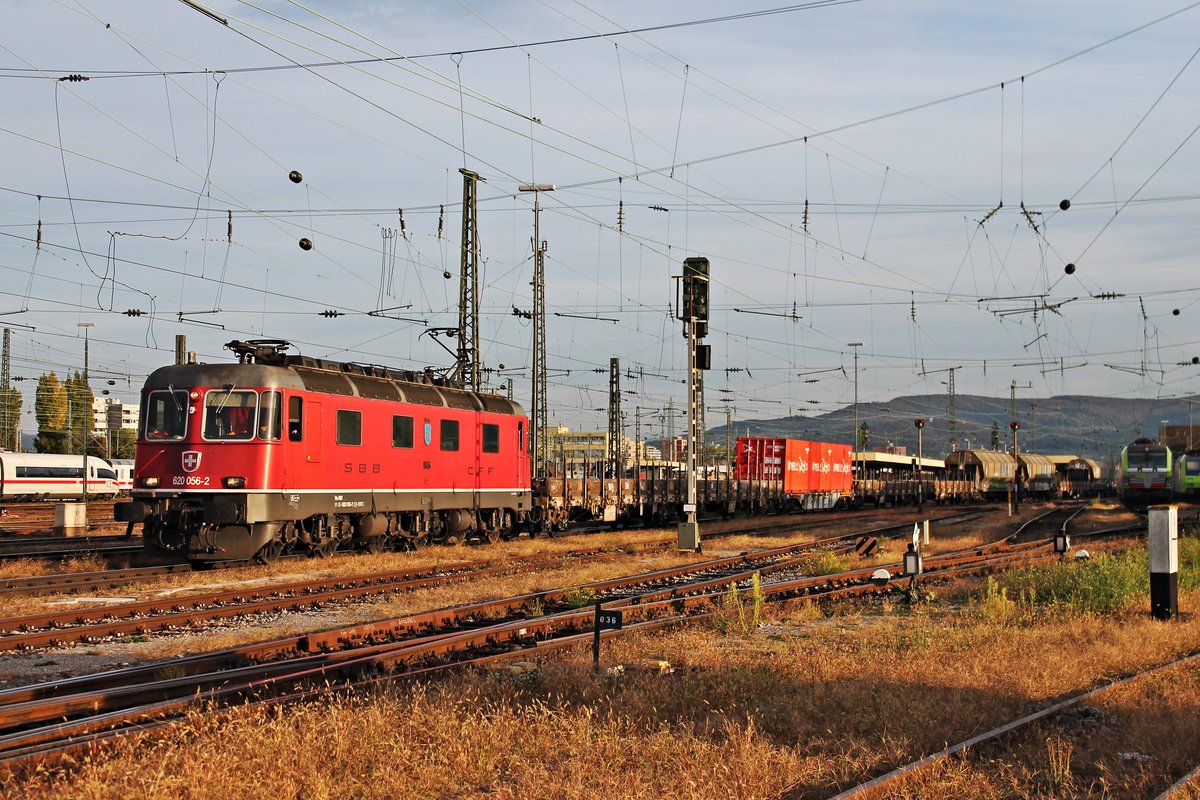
point(877, 786)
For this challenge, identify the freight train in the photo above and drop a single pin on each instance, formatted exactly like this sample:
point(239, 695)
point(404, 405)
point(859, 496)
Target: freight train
point(280, 452)
point(285, 452)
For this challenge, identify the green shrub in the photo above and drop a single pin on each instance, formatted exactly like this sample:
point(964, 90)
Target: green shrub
point(1101, 585)
point(823, 563)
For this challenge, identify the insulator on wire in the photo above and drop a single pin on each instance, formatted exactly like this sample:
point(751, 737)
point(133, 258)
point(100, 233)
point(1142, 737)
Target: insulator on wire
point(230, 218)
point(331, 312)
point(39, 235)
point(441, 219)
point(992, 213)
point(403, 227)
point(134, 312)
point(806, 215)
point(621, 216)
point(74, 78)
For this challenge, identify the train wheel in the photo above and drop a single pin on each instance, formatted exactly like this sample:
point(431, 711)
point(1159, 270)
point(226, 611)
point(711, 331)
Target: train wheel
point(326, 548)
point(412, 543)
point(269, 552)
point(508, 526)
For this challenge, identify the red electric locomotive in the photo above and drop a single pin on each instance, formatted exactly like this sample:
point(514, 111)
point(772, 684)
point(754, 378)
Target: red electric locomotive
point(282, 451)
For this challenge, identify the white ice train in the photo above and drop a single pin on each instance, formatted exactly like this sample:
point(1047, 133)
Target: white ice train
point(48, 476)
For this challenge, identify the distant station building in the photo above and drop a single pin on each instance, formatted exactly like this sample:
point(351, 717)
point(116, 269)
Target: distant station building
point(1180, 437)
point(110, 414)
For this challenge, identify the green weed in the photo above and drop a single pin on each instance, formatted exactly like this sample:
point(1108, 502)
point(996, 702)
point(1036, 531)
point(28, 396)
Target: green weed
point(740, 614)
point(578, 597)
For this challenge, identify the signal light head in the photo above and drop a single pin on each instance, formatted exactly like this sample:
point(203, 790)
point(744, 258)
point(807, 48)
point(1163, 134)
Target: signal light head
point(234, 482)
point(150, 482)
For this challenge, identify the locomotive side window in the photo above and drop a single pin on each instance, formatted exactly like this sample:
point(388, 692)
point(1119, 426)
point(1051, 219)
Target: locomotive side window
point(229, 415)
point(491, 438)
point(165, 415)
point(402, 432)
point(349, 427)
point(270, 416)
point(520, 437)
point(295, 419)
point(449, 434)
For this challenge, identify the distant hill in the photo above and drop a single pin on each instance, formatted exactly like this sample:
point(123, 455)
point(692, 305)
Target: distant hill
point(1095, 427)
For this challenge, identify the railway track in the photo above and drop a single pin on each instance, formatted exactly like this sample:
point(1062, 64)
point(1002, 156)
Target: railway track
point(48, 720)
point(104, 579)
point(883, 784)
point(146, 617)
point(59, 548)
point(24, 519)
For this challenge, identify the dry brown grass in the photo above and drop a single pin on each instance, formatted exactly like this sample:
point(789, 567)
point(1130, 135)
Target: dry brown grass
point(809, 702)
point(33, 567)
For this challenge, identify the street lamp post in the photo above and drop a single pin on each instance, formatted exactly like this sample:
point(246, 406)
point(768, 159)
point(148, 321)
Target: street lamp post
point(854, 440)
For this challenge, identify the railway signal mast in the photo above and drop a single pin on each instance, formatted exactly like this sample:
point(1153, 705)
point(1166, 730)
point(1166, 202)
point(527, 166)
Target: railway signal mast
point(919, 424)
point(615, 456)
point(695, 328)
point(1016, 485)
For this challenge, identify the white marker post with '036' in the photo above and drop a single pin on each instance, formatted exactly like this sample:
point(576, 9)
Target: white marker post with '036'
point(1164, 561)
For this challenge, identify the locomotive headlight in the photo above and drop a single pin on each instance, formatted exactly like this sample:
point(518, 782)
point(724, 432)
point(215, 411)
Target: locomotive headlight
point(150, 482)
point(232, 482)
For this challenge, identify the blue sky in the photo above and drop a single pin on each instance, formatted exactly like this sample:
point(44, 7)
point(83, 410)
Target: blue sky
point(706, 121)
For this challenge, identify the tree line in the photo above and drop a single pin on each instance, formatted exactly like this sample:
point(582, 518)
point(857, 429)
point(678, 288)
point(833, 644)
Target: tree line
point(63, 410)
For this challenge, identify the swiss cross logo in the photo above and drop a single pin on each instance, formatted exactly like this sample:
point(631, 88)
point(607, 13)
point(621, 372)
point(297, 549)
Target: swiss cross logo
point(191, 460)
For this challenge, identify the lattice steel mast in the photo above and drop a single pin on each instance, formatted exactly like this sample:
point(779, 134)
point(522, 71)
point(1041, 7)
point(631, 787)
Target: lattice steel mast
point(468, 370)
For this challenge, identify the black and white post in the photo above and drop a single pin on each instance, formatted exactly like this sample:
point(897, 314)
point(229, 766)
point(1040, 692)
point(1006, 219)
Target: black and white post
point(1163, 543)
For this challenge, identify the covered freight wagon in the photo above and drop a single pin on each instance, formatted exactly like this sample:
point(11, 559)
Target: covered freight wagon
point(989, 471)
point(1038, 475)
point(1087, 477)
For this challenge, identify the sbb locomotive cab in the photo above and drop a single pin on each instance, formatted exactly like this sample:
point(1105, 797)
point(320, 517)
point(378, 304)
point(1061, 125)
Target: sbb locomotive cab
point(281, 452)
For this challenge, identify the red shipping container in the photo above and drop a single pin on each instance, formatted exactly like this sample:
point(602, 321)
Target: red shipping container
point(842, 477)
point(798, 474)
point(803, 467)
point(819, 464)
point(759, 458)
